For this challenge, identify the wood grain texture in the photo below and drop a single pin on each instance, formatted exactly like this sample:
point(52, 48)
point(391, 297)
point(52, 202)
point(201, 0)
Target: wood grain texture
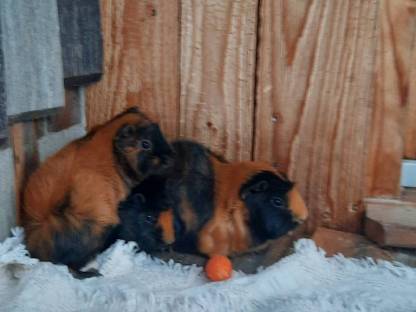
point(396, 29)
point(218, 41)
point(23, 138)
point(314, 97)
point(140, 62)
point(410, 123)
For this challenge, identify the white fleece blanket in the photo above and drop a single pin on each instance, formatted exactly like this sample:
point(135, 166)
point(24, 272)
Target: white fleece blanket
point(304, 281)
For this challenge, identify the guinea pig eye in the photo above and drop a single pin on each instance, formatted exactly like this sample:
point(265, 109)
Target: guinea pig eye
point(145, 145)
point(277, 202)
point(150, 219)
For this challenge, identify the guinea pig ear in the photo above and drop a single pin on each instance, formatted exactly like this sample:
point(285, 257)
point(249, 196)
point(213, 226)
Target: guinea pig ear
point(132, 109)
point(125, 137)
point(127, 131)
point(287, 185)
point(258, 187)
point(140, 198)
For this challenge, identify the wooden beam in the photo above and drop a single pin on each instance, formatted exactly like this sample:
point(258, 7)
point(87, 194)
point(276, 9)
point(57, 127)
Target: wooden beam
point(314, 101)
point(218, 51)
point(82, 46)
point(140, 62)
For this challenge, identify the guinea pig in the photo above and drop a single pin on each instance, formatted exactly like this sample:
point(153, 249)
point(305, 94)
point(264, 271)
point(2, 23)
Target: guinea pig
point(266, 197)
point(70, 206)
point(208, 206)
point(140, 213)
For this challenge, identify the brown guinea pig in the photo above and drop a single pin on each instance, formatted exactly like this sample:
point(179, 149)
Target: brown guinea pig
point(70, 205)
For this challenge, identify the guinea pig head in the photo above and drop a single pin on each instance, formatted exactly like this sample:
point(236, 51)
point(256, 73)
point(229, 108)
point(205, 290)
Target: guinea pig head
point(139, 223)
point(274, 205)
point(141, 149)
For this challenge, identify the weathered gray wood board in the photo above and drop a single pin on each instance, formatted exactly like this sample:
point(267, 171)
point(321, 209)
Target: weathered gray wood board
point(3, 114)
point(32, 55)
point(7, 197)
point(82, 46)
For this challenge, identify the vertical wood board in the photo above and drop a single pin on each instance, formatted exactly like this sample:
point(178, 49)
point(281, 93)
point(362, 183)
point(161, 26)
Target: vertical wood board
point(140, 62)
point(82, 47)
point(410, 124)
point(32, 55)
point(396, 30)
point(218, 43)
point(314, 97)
point(3, 113)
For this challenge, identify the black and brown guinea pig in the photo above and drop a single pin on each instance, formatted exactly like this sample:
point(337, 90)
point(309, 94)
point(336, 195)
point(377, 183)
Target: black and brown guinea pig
point(208, 206)
point(70, 207)
point(140, 213)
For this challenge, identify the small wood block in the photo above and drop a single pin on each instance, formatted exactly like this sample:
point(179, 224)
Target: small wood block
point(70, 114)
point(82, 45)
point(32, 55)
point(408, 194)
point(348, 244)
point(391, 222)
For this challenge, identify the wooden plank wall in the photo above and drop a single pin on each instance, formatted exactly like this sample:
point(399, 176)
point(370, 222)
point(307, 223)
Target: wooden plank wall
point(323, 89)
